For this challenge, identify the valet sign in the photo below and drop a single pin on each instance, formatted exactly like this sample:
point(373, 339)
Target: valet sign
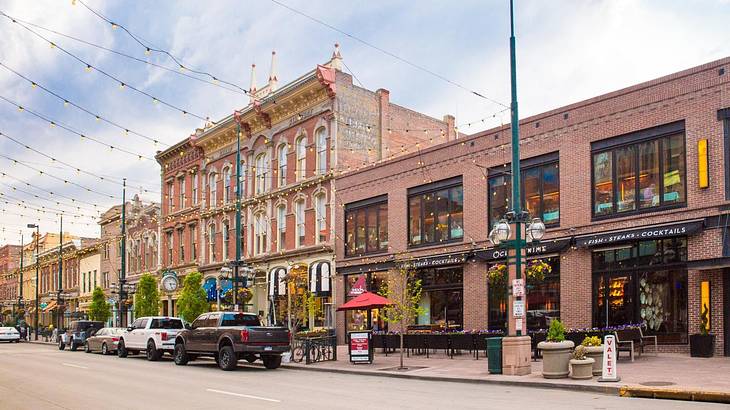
point(610, 372)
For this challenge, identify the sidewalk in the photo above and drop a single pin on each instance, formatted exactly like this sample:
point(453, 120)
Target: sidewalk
point(665, 376)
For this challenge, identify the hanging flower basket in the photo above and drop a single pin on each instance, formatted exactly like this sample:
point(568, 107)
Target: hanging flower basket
point(536, 270)
point(497, 275)
point(245, 295)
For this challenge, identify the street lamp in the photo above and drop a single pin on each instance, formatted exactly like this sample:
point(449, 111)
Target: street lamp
point(37, 268)
point(124, 290)
point(535, 230)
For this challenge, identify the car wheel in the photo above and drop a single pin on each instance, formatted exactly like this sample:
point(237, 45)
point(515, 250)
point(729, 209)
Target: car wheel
point(272, 362)
point(121, 349)
point(61, 345)
point(227, 358)
point(73, 345)
point(153, 354)
point(104, 349)
point(180, 356)
point(87, 349)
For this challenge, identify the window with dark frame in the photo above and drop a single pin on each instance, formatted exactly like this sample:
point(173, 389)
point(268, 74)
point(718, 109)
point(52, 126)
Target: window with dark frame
point(724, 116)
point(436, 212)
point(639, 172)
point(366, 226)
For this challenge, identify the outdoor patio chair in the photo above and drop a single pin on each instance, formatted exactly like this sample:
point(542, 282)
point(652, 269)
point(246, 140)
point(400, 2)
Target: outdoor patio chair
point(459, 342)
point(415, 343)
point(648, 337)
point(627, 340)
point(436, 342)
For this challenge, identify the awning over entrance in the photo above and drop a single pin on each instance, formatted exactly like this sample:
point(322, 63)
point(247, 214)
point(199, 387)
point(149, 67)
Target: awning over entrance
point(644, 233)
point(320, 278)
point(276, 281)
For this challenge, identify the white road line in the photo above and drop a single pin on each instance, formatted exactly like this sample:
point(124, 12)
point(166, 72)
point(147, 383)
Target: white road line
point(243, 395)
point(74, 365)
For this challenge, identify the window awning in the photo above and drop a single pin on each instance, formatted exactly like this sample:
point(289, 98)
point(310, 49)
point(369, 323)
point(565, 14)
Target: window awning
point(320, 278)
point(644, 233)
point(277, 282)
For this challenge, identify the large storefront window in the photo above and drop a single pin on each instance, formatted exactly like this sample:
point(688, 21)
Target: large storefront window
point(540, 190)
point(543, 300)
point(436, 212)
point(636, 176)
point(356, 285)
point(643, 282)
point(442, 298)
point(366, 227)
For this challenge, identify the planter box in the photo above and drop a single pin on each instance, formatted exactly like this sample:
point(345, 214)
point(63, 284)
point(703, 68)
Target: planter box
point(581, 369)
point(702, 345)
point(596, 353)
point(555, 358)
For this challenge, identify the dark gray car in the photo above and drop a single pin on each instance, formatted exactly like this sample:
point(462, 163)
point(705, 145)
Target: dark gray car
point(77, 333)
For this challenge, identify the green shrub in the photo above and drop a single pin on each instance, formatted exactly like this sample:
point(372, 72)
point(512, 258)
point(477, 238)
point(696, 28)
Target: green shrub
point(591, 341)
point(556, 333)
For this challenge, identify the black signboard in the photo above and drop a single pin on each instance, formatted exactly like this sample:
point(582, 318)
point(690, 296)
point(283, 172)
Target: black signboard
point(443, 260)
point(645, 233)
point(360, 346)
point(541, 248)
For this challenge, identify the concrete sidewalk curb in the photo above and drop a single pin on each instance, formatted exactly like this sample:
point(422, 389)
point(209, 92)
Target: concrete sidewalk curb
point(675, 394)
point(612, 390)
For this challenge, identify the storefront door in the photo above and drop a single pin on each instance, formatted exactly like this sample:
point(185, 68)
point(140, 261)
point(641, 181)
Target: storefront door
point(615, 299)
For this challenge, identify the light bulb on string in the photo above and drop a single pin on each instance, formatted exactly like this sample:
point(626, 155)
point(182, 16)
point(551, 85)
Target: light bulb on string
point(88, 68)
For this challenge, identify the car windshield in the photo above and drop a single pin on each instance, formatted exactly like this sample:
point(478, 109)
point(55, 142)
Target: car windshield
point(239, 319)
point(166, 323)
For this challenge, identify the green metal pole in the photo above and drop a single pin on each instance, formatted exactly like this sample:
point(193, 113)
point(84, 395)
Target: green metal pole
point(60, 278)
point(516, 200)
point(123, 272)
point(37, 278)
point(238, 216)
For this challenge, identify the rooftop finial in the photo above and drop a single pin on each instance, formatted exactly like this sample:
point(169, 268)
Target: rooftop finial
point(336, 61)
point(273, 79)
point(252, 88)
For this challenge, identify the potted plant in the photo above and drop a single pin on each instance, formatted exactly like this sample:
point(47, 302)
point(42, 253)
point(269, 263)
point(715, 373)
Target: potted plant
point(581, 366)
point(703, 344)
point(556, 352)
point(594, 350)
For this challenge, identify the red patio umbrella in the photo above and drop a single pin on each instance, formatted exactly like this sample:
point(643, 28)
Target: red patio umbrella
point(365, 301)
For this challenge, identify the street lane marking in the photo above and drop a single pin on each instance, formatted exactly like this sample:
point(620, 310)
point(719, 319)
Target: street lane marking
point(74, 365)
point(243, 395)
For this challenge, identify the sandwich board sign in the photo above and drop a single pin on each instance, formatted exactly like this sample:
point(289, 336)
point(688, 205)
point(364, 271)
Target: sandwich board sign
point(610, 356)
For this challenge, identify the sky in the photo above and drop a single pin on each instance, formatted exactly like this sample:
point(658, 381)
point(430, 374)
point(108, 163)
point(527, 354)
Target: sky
point(567, 51)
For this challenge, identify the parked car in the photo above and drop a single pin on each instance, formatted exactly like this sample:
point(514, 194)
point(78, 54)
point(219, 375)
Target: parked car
point(9, 334)
point(230, 337)
point(104, 341)
point(77, 333)
point(153, 335)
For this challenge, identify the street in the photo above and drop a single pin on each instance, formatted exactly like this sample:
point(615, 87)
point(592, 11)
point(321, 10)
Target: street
point(34, 376)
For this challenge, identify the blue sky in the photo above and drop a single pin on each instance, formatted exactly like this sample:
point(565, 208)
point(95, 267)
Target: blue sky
point(567, 51)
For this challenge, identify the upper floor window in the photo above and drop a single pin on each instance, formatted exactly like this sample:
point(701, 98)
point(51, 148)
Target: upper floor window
point(281, 227)
point(212, 190)
point(299, 216)
point(321, 142)
point(435, 212)
point(281, 155)
point(366, 226)
point(301, 151)
point(540, 189)
point(170, 198)
point(181, 245)
point(227, 184)
point(320, 211)
point(225, 230)
point(640, 171)
point(211, 243)
point(262, 172)
point(181, 192)
point(194, 189)
point(169, 248)
point(193, 243)
point(242, 179)
point(259, 233)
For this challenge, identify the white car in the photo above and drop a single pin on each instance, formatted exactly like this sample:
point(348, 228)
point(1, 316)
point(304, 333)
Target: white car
point(153, 335)
point(9, 334)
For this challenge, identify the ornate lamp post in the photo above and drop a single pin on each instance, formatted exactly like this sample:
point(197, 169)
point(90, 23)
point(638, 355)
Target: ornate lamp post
point(37, 269)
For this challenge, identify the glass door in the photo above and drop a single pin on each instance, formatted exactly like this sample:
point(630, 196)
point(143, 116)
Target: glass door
point(614, 299)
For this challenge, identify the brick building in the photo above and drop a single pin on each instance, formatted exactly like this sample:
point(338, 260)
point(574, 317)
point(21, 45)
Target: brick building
point(294, 139)
point(633, 187)
point(9, 281)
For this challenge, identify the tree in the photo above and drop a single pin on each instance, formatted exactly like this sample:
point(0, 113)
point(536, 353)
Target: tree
point(147, 301)
point(99, 309)
point(403, 289)
point(192, 301)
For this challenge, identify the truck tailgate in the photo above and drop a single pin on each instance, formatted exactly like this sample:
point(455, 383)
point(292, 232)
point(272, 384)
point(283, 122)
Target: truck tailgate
point(260, 335)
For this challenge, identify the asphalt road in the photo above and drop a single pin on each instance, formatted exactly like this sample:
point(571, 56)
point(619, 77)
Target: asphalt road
point(36, 376)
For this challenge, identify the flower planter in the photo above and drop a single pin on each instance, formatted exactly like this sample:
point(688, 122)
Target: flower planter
point(596, 353)
point(555, 358)
point(701, 345)
point(581, 369)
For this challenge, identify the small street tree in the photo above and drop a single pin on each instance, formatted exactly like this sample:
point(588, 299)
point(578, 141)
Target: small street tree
point(147, 300)
point(403, 289)
point(99, 309)
point(192, 301)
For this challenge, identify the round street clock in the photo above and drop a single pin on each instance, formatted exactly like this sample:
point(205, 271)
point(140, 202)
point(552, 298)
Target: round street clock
point(170, 283)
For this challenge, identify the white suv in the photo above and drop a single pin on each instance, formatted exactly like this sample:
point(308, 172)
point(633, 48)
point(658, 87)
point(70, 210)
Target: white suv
point(153, 335)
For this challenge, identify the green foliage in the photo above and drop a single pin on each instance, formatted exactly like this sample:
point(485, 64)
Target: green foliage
point(404, 290)
point(99, 309)
point(147, 301)
point(556, 333)
point(704, 321)
point(591, 341)
point(192, 301)
point(579, 353)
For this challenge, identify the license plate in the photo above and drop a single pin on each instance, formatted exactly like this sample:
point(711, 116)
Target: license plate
point(267, 348)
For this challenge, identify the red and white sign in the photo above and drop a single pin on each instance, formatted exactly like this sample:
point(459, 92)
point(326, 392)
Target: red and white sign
point(518, 287)
point(610, 354)
point(360, 347)
point(359, 287)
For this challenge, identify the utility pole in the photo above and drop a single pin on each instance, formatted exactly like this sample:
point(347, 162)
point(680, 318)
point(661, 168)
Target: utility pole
point(59, 297)
point(123, 271)
point(37, 275)
point(238, 216)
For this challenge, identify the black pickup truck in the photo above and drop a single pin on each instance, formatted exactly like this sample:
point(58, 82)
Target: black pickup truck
point(230, 337)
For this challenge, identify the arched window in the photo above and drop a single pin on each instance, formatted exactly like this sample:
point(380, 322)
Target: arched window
point(211, 243)
point(259, 233)
point(226, 184)
point(212, 190)
point(320, 209)
point(226, 237)
point(321, 141)
point(262, 172)
point(281, 155)
point(301, 149)
point(281, 227)
point(299, 214)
